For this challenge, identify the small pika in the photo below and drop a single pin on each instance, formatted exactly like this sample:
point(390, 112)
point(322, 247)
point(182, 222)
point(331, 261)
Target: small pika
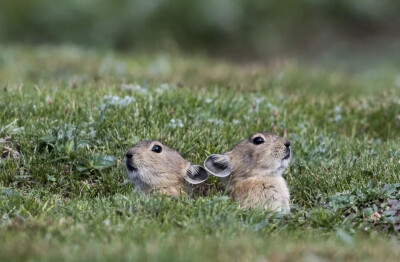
point(155, 168)
point(252, 171)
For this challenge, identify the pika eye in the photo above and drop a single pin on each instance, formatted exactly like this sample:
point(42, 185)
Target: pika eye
point(156, 148)
point(258, 140)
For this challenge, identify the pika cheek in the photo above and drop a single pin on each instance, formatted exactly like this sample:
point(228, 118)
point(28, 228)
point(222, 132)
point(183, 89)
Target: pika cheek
point(137, 159)
point(133, 175)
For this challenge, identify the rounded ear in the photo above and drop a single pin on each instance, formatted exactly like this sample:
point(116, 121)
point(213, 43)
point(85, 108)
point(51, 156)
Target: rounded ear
point(218, 165)
point(196, 174)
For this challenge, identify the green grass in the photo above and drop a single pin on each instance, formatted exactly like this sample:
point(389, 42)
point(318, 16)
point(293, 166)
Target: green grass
point(67, 115)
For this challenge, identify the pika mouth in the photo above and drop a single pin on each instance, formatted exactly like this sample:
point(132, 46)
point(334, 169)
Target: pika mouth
point(287, 155)
point(130, 166)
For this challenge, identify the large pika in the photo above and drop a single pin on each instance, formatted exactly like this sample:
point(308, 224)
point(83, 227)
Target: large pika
point(252, 171)
point(155, 168)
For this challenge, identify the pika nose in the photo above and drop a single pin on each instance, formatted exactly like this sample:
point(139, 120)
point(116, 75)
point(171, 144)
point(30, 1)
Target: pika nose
point(129, 154)
point(287, 143)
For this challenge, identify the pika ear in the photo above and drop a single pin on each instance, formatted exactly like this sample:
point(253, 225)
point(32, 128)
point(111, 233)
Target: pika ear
point(218, 165)
point(196, 174)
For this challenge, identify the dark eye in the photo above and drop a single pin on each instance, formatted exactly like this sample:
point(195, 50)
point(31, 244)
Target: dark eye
point(156, 148)
point(258, 140)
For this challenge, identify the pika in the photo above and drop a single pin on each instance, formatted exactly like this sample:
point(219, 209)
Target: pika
point(155, 168)
point(255, 166)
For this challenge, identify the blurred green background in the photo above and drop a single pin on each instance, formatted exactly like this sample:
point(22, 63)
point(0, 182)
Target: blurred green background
point(234, 28)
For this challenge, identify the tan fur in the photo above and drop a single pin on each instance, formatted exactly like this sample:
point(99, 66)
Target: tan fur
point(162, 173)
point(255, 178)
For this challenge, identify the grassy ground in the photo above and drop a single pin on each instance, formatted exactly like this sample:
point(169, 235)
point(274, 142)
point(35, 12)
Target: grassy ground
point(67, 116)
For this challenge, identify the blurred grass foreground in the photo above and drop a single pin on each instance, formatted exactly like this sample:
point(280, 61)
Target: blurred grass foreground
point(223, 26)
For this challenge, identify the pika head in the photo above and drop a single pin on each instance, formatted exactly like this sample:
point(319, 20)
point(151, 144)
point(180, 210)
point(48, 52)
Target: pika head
point(255, 166)
point(262, 154)
point(154, 167)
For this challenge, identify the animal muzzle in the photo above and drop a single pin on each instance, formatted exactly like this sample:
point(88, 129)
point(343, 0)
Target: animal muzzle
point(287, 153)
point(130, 165)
